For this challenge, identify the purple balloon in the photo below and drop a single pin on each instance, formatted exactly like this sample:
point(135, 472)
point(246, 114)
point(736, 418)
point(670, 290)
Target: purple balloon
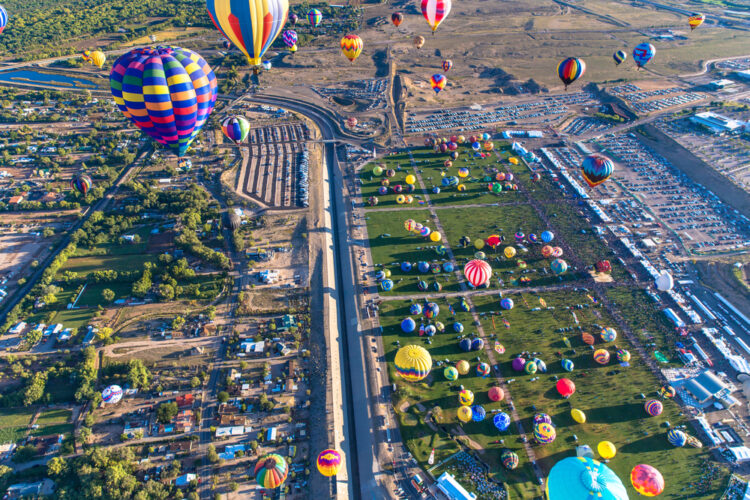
point(518, 364)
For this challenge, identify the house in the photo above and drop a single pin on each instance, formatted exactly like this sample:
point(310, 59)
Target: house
point(235, 430)
point(90, 335)
point(230, 451)
point(227, 409)
point(15, 200)
point(181, 447)
point(53, 329)
point(271, 434)
point(452, 489)
point(185, 401)
point(134, 427)
point(250, 347)
point(47, 445)
point(18, 328)
point(286, 322)
point(65, 335)
point(232, 420)
point(183, 421)
point(50, 197)
point(184, 480)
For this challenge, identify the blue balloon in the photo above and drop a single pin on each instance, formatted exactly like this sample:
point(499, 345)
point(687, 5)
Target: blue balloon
point(406, 266)
point(465, 345)
point(501, 421)
point(477, 344)
point(458, 328)
point(440, 249)
point(533, 238)
point(476, 146)
point(386, 285)
point(478, 413)
point(423, 266)
point(380, 275)
point(446, 181)
point(506, 303)
point(547, 236)
point(415, 309)
point(643, 53)
point(541, 366)
point(430, 330)
point(436, 190)
point(422, 285)
point(448, 267)
point(408, 325)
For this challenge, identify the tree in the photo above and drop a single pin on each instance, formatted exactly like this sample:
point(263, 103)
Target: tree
point(223, 397)
point(178, 322)
point(56, 466)
point(108, 295)
point(35, 389)
point(166, 292)
point(25, 453)
point(234, 486)
point(104, 333)
point(195, 382)
point(166, 412)
point(212, 456)
point(138, 375)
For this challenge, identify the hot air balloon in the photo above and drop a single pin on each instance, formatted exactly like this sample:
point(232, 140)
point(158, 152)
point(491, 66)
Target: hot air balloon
point(450, 373)
point(434, 11)
point(577, 478)
point(570, 70)
point(112, 394)
point(477, 272)
point(547, 236)
point(447, 65)
point(496, 393)
point(418, 41)
point(501, 421)
point(463, 367)
point(664, 282)
point(413, 363)
point(465, 397)
point(235, 128)
point(596, 169)
point(226, 44)
point(81, 183)
point(96, 57)
point(608, 334)
point(667, 391)
point(643, 53)
point(315, 17)
point(464, 414)
point(408, 325)
point(397, 18)
point(578, 416)
point(167, 92)
point(329, 462)
point(653, 407)
point(478, 413)
point(290, 38)
point(477, 344)
point(619, 57)
point(546, 251)
point(559, 266)
point(509, 459)
point(544, 432)
point(293, 18)
point(530, 367)
point(695, 20)
point(438, 82)
point(676, 438)
point(518, 363)
point(3, 18)
point(623, 355)
point(351, 46)
point(431, 310)
point(565, 387)
point(483, 369)
point(601, 356)
point(251, 26)
point(647, 480)
point(509, 252)
point(506, 303)
point(567, 365)
point(271, 471)
point(606, 449)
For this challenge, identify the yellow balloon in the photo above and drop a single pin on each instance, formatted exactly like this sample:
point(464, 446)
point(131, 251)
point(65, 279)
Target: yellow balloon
point(578, 415)
point(509, 252)
point(464, 414)
point(463, 367)
point(410, 179)
point(435, 236)
point(400, 199)
point(461, 187)
point(606, 450)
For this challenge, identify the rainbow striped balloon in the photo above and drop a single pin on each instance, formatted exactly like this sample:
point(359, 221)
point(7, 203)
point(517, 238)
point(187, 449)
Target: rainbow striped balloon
point(329, 462)
point(3, 18)
point(596, 169)
point(570, 70)
point(413, 363)
point(251, 25)
point(619, 57)
point(601, 356)
point(81, 183)
point(271, 471)
point(653, 407)
point(235, 128)
point(167, 92)
point(314, 16)
point(544, 433)
point(351, 46)
point(290, 38)
point(435, 11)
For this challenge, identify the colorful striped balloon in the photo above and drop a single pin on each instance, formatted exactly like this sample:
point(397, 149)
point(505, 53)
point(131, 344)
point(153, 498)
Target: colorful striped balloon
point(643, 53)
point(596, 169)
point(438, 82)
point(81, 183)
point(570, 70)
point(601, 356)
point(619, 57)
point(235, 128)
point(434, 11)
point(314, 16)
point(167, 92)
point(329, 462)
point(413, 363)
point(290, 38)
point(351, 46)
point(653, 407)
point(447, 65)
point(695, 20)
point(477, 272)
point(271, 471)
point(3, 18)
point(251, 25)
point(544, 433)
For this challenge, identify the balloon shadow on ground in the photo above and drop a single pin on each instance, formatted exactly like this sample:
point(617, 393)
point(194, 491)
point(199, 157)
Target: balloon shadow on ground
point(618, 413)
point(654, 442)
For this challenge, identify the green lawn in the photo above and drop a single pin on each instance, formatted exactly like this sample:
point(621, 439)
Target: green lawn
point(13, 423)
point(92, 296)
point(55, 421)
point(121, 247)
point(85, 265)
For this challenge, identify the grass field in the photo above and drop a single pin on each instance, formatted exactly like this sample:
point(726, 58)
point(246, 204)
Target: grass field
point(13, 423)
point(85, 265)
point(55, 421)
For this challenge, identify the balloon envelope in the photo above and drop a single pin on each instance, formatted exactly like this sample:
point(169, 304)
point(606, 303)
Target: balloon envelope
point(565, 387)
point(112, 394)
point(501, 421)
point(271, 471)
point(578, 415)
point(435, 11)
point(647, 480)
point(577, 478)
point(606, 449)
point(329, 462)
point(664, 282)
point(413, 363)
point(235, 128)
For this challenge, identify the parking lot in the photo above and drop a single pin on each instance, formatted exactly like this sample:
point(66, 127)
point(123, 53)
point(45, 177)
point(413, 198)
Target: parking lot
point(542, 111)
point(373, 91)
point(584, 124)
point(647, 101)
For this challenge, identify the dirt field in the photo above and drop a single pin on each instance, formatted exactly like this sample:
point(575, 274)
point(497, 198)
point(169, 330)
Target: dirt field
point(17, 251)
point(718, 275)
point(284, 232)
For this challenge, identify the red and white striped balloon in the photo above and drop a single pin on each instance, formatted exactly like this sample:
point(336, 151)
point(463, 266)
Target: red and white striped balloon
point(477, 272)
